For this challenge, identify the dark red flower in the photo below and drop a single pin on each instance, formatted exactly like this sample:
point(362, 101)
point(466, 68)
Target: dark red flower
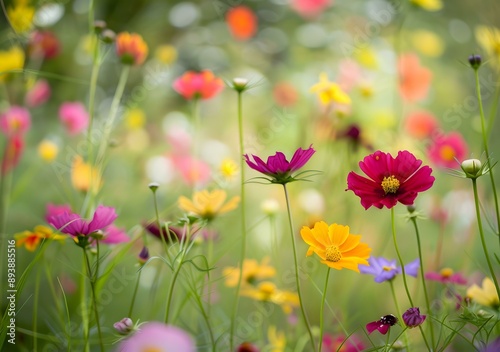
point(391, 180)
point(44, 44)
point(413, 318)
point(382, 325)
point(176, 234)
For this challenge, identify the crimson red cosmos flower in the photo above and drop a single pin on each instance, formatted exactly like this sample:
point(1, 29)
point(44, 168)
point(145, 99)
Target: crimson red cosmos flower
point(277, 167)
point(382, 325)
point(192, 85)
point(391, 180)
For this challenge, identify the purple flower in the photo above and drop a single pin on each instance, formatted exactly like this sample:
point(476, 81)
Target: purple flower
point(72, 224)
point(278, 167)
point(143, 255)
point(382, 325)
point(124, 326)
point(493, 346)
point(413, 318)
point(385, 270)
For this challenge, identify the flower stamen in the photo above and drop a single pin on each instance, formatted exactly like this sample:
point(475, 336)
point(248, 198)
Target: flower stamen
point(333, 254)
point(390, 184)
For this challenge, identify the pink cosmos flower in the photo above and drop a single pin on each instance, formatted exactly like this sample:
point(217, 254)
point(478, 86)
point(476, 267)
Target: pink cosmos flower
point(310, 8)
point(114, 235)
point(342, 343)
point(155, 336)
point(421, 124)
point(74, 117)
point(391, 180)
point(203, 85)
point(350, 74)
point(285, 94)
point(193, 171)
point(446, 276)
point(72, 224)
point(38, 94)
point(446, 150)
point(12, 154)
point(382, 325)
point(415, 80)
point(16, 120)
point(52, 210)
point(278, 167)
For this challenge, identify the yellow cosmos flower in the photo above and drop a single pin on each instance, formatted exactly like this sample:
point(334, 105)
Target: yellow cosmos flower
point(135, 118)
point(485, 295)
point(47, 150)
point(207, 204)
point(489, 39)
point(21, 17)
point(84, 176)
point(428, 43)
point(277, 340)
point(252, 271)
point(31, 239)
point(429, 5)
point(166, 54)
point(268, 292)
point(336, 247)
point(12, 59)
point(228, 168)
point(329, 92)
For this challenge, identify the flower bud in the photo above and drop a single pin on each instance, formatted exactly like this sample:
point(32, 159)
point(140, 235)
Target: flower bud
point(240, 84)
point(108, 36)
point(124, 326)
point(413, 318)
point(411, 209)
point(99, 26)
point(472, 168)
point(153, 186)
point(143, 255)
point(475, 61)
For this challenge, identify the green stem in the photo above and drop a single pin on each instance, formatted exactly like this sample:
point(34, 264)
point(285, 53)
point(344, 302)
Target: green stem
point(493, 111)
point(5, 182)
point(486, 150)
point(94, 298)
point(84, 306)
point(481, 235)
point(297, 280)
point(403, 273)
point(422, 277)
point(135, 294)
point(243, 222)
point(35, 309)
point(158, 223)
point(321, 320)
point(398, 311)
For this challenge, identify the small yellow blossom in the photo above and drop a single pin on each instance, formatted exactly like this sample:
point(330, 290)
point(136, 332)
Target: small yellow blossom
point(489, 39)
point(486, 295)
point(329, 92)
point(228, 168)
point(31, 239)
point(252, 271)
point(367, 57)
point(208, 205)
point(429, 5)
point(267, 291)
point(135, 118)
point(84, 176)
point(21, 17)
point(277, 340)
point(47, 150)
point(166, 54)
point(12, 59)
point(428, 43)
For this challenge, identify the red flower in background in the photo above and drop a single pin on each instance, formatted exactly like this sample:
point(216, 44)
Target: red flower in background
point(203, 85)
point(421, 124)
point(242, 22)
point(446, 150)
point(310, 8)
point(131, 48)
point(44, 44)
point(391, 180)
point(12, 153)
point(415, 80)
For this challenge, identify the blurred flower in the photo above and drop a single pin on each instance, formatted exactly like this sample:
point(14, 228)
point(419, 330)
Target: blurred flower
point(382, 325)
point(367, 57)
point(277, 340)
point(84, 176)
point(489, 38)
point(429, 5)
point(427, 42)
point(175, 233)
point(208, 205)
point(329, 92)
point(143, 256)
point(253, 271)
point(350, 74)
point(131, 48)
point(166, 54)
point(48, 150)
point(21, 16)
point(336, 247)
point(391, 180)
point(74, 117)
point(12, 59)
point(270, 206)
point(268, 292)
point(228, 168)
point(43, 45)
point(492, 346)
point(445, 276)
point(421, 124)
point(486, 295)
point(353, 134)
point(414, 80)
point(412, 317)
point(386, 270)
point(31, 239)
point(193, 171)
point(135, 118)
point(242, 22)
point(278, 168)
point(310, 9)
point(15, 121)
point(12, 154)
point(53, 210)
point(340, 343)
point(124, 326)
point(38, 94)
point(194, 85)
point(156, 336)
point(447, 149)
point(247, 347)
point(114, 235)
point(285, 94)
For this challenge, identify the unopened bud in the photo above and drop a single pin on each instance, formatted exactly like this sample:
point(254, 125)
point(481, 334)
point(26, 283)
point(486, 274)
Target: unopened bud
point(240, 84)
point(153, 186)
point(99, 26)
point(143, 255)
point(124, 326)
point(475, 61)
point(108, 36)
point(472, 167)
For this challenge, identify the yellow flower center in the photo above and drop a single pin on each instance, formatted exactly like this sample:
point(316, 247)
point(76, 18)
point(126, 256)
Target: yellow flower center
point(151, 349)
point(267, 289)
point(446, 272)
point(333, 254)
point(447, 153)
point(387, 268)
point(390, 184)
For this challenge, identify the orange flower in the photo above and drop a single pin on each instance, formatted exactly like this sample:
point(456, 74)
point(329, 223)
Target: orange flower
point(335, 246)
point(204, 85)
point(131, 48)
point(208, 205)
point(415, 80)
point(84, 176)
point(242, 22)
point(31, 239)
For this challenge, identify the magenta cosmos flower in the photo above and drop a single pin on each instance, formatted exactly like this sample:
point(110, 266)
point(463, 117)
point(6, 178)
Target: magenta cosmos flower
point(382, 325)
point(391, 180)
point(278, 167)
point(15, 121)
point(74, 117)
point(446, 150)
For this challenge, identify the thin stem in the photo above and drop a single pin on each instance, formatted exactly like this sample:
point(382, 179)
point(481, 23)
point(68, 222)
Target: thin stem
point(422, 277)
point(399, 256)
point(134, 295)
point(35, 309)
point(297, 280)
point(5, 182)
point(84, 306)
point(321, 320)
point(243, 222)
point(481, 235)
point(486, 150)
point(158, 223)
point(94, 298)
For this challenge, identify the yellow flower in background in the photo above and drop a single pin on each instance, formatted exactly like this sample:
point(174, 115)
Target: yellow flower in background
point(336, 247)
point(329, 92)
point(48, 150)
point(267, 291)
point(21, 16)
point(366, 90)
point(12, 59)
point(428, 43)
point(135, 118)
point(485, 295)
point(252, 272)
point(84, 176)
point(489, 39)
point(429, 5)
point(367, 57)
point(208, 205)
point(32, 239)
point(277, 340)
point(228, 168)
point(166, 54)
